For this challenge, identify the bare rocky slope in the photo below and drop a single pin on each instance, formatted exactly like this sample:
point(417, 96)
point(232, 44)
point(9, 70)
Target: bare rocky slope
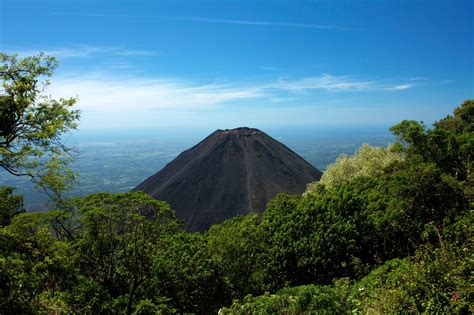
point(230, 172)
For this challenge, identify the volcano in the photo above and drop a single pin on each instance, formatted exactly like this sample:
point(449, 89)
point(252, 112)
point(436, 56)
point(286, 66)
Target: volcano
point(231, 172)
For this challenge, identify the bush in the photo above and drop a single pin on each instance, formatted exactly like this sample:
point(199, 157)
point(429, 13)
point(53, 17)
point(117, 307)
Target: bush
point(303, 299)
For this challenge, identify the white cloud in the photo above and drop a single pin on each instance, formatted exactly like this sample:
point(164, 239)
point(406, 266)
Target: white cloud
point(122, 94)
point(400, 87)
point(332, 83)
point(326, 82)
point(111, 93)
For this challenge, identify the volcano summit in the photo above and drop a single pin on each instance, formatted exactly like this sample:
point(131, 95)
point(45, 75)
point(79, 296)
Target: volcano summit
point(231, 172)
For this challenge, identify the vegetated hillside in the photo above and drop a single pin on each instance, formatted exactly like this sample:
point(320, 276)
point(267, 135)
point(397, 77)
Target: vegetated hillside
point(360, 241)
point(229, 173)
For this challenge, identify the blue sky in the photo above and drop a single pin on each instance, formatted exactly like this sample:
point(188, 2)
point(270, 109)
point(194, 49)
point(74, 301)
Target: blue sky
point(265, 64)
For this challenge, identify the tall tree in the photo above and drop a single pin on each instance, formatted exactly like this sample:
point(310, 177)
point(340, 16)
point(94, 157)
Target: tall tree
point(32, 123)
point(450, 144)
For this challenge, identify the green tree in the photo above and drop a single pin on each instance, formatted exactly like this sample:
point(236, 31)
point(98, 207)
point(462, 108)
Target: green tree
point(185, 272)
point(10, 205)
point(235, 245)
point(436, 280)
point(367, 161)
point(32, 123)
point(35, 266)
point(116, 240)
point(315, 238)
point(307, 299)
point(450, 144)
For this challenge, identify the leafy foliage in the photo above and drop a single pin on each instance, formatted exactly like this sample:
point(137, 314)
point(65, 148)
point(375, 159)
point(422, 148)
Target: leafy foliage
point(368, 161)
point(235, 245)
point(450, 145)
point(186, 273)
point(434, 281)
point(33, 261)
point(10, 205)
point(296, 300)
point(31, 123)
point(116, 242)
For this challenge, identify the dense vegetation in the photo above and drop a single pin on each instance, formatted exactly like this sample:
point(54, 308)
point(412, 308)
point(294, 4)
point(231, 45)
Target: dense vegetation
point(387, 230)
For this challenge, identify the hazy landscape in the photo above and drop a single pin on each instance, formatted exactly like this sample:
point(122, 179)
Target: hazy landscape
point(115, 162)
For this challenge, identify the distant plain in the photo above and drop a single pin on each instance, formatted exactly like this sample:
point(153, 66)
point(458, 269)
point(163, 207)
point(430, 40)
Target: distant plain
point(117, 161)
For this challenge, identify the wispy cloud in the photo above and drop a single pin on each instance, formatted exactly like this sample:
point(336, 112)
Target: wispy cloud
point(122, 94)
point(333, 84)
point(400, 87)
point(212, 20)
point(319, 108)
point(326, 82)
point(258, 23)
point(111, 93)
point(84, 51)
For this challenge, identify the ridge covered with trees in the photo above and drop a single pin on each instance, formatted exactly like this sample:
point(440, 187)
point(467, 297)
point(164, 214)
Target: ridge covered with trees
point(388, 230)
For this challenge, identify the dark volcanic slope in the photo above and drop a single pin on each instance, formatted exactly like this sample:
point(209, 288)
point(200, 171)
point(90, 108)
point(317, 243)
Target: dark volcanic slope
point(230, 172)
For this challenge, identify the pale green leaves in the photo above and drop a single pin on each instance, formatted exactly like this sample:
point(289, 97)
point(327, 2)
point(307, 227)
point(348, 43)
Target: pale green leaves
point(32, 124)
point(367, 161)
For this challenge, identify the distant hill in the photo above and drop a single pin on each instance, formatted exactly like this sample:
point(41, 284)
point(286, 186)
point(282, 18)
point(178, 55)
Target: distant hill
point(230, 172)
